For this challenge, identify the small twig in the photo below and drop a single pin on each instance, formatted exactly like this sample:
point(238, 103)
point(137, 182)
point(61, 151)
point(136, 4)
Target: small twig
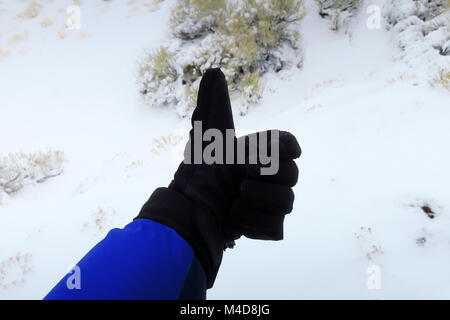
point(48, 177)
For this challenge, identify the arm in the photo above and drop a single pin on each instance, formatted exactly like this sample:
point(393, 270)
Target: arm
point(144, 260)
point(174, 247)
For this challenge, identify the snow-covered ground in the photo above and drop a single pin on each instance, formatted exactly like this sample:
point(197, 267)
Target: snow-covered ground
point(374, 134)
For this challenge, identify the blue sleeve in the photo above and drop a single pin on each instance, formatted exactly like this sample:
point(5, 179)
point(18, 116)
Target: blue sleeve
point(144, 260)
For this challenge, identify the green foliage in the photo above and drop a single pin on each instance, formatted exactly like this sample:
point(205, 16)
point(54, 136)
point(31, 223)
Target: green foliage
point(344, 4)
point(206, 8)
point(157, 77)
point(243, 38)
point(251, 86)
point(160, 65)
point(191, 94)
point(191, 19)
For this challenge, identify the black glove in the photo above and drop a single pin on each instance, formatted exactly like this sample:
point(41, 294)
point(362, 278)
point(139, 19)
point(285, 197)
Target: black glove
point(200, 196)
point(264, 200)
point(211, 205)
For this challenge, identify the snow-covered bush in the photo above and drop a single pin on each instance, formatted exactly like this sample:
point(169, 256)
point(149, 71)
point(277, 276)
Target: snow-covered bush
point(194, 18)
point(338, 11)
point(422, 30)
point(157, 71)
point(245, 39)
point(18, 169)
point(423, 9)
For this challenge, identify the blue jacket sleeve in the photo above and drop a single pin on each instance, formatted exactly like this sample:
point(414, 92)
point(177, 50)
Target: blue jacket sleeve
point(144, 260)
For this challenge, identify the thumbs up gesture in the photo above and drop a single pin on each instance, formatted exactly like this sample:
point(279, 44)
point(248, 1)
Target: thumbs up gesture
point(226, 187)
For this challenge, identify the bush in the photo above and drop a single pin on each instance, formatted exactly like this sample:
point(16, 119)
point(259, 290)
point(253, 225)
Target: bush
point(18, 169)
point(245, 39)
point(251, 87)
point(194, 18)
point(157, 75)
point(339, 11)
point(422, 9)
point(422, 30)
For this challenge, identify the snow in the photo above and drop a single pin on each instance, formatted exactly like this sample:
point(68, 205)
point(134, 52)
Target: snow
point(374, 135)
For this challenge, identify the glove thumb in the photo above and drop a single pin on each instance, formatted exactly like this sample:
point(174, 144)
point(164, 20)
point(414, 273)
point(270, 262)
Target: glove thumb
point(213, 102)
point(213, 111)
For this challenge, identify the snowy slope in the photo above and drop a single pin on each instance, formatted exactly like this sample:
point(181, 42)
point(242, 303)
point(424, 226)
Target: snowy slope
point(374, 136)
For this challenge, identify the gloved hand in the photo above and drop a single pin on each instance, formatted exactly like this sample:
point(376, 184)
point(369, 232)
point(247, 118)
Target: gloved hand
point(265, 199)
point(211, 205)
point(201, 195)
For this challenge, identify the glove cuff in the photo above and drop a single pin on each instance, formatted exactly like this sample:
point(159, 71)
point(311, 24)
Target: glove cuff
point(193, 222)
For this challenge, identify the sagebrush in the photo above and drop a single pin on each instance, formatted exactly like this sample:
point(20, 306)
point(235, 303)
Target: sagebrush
point(18, 169)
point(245, 39)
point(422, 30)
